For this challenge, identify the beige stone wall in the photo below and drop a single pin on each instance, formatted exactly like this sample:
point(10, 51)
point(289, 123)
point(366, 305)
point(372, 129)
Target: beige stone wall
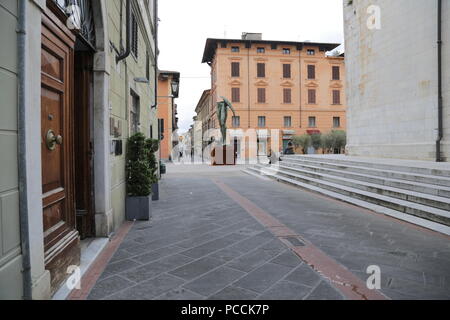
point(392, 79)
point(122, 84)
point(10, 251)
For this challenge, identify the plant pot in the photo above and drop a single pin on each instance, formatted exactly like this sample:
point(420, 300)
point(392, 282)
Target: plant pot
point(162, 168)
point(155, 191)
point(138, 208)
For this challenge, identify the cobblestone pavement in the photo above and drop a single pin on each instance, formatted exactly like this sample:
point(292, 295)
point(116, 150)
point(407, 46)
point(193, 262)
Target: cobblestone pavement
point(201, 244)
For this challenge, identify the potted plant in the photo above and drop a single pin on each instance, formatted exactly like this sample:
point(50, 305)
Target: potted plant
point(153, 146)
point(139, 180)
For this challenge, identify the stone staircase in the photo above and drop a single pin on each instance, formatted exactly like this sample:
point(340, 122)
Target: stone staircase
point(414, 191)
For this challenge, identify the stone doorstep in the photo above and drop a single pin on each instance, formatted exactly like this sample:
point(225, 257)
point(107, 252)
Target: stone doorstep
point(370, 206)
point(90, 249)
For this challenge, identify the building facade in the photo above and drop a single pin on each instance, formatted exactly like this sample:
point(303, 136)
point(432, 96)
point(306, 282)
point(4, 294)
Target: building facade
point(168, 89)
point(77, 78)
point(393, 86)
point(294, 87)
point(204, 121)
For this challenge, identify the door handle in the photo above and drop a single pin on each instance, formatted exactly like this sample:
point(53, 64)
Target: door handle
point(51, 140)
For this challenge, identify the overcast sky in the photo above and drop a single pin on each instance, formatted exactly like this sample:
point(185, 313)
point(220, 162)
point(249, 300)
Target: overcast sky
point(185, 26)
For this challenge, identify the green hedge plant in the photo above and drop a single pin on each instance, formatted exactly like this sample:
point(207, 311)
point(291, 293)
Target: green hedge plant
point(138, 170)
point(153, 146)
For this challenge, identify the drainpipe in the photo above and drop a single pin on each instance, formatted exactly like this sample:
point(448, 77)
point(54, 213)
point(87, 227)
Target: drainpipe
point(440, 99)
point(22, 150)
point(127, 51)
point(248, 83)
point(156, 52)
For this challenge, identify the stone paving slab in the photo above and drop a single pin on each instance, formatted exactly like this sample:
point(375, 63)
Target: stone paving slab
point(200, 244)
point(358, 238)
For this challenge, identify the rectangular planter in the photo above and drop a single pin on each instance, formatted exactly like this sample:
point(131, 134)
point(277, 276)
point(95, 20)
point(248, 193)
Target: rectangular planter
point(155, 191)
point(138, 208)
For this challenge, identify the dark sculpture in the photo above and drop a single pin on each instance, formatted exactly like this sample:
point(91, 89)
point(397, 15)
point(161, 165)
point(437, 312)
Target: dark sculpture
point(222, 114)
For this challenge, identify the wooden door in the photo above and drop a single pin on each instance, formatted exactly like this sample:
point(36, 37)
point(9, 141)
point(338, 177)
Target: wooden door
point(61, 241)
point(83, 144)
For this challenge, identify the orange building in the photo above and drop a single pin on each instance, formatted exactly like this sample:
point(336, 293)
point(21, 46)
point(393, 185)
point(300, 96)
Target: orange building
point(291, 86)
point(168, 88)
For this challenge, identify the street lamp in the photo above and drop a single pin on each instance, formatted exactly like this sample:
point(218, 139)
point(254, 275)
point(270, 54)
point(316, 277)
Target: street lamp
point(175, 86)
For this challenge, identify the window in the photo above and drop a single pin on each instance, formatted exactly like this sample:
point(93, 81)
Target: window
point(287, 95)
point(261, 95)
point(336, 73)
point(235, 69)
point(261, 121)
point(147, 66)
point(312, 122)
point(336, 97)
point(287, 122)
point(161, 129)
point(311, 71)
point(310, 52)
point(311, 96)
point(234, 49)
point(336, 122)
point(134, 114)
point(235, 95)
point(236, 121)
point(260, 50)
point(134, 36)
point(286, 51)
point(261, 70)
point(286, 71)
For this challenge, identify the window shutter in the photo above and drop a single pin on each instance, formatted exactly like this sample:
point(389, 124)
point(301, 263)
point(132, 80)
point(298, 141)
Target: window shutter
point(261, 69)
point(336, 73)
point(286, 95)
point(134, 36)
point(286, 70)
point(336, 97)
point(261, 95)
point(235, 69)
point(235, 95)
point(311, 71)
point(311, 96)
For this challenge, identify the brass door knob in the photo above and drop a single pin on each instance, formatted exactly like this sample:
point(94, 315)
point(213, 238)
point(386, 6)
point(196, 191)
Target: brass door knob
point(52, 140)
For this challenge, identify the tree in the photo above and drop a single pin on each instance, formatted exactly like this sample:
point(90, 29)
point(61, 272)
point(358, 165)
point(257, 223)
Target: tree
point(303, 141)
point(334, 140)
point(340, 139)
point(316, 140)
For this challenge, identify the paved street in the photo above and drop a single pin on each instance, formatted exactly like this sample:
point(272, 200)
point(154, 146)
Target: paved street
point(204, 243)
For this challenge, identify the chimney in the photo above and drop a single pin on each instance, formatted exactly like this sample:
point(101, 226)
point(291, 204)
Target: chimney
point(251, 36)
